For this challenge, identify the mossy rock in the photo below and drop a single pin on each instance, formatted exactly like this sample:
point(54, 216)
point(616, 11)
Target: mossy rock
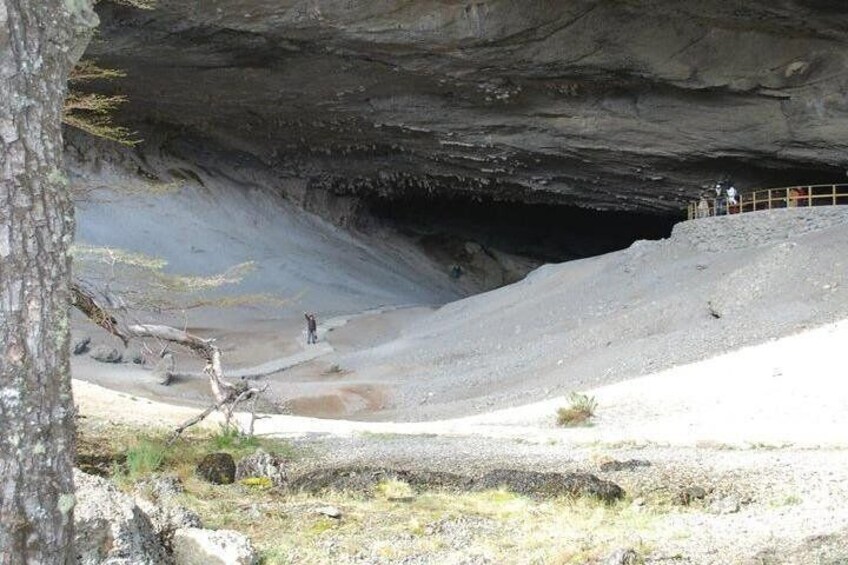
point(218, 469)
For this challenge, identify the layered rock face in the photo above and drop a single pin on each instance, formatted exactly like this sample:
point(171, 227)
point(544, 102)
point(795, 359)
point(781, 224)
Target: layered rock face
point(612, 105)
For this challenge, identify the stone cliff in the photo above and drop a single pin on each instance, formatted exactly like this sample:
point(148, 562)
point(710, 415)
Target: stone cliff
point(605, 104)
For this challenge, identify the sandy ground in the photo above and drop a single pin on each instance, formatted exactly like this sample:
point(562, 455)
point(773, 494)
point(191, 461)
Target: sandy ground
point(765, 395)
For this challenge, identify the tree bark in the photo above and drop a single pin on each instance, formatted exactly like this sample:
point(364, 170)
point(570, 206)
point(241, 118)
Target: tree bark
point(40, 40)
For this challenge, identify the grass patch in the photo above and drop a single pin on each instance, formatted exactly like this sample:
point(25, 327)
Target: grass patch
point(144, 458)
point(395, 490)
point(497, 526)
point(579, 412)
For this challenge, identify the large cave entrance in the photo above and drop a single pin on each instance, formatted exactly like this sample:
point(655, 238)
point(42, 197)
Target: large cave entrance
point(499, 242)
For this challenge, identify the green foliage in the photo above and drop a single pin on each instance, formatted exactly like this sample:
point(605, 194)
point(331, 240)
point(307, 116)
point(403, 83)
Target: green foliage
point(580, 410)
point(231, 439)
point(144, 458)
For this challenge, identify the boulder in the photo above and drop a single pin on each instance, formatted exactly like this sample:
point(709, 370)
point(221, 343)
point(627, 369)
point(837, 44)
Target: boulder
point(164, 370)
point(532, 483)
point(217, 468)
point(622, 557)
point(329, 512)
point(689, 495)
point(262, 464)
point(110, 528)
point(106, 354)
point(193, 546)
point(156, 496)
point(82, 345)
point(629, 465)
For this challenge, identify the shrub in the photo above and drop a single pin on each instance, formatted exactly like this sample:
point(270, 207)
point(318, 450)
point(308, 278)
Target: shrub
point(231, 439)
point(580, 410)
point(144, 458)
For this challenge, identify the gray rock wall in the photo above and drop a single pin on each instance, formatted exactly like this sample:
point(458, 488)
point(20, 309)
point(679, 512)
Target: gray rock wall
point(609, 104)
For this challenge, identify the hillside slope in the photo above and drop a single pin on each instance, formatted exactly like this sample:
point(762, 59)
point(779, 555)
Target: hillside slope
point(714, 286)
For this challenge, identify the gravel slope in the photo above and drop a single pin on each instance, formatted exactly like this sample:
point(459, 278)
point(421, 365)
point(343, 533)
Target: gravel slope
point(714, 286)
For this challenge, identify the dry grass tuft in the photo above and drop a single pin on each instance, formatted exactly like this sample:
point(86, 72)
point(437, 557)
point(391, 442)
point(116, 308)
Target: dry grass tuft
point(579, 412)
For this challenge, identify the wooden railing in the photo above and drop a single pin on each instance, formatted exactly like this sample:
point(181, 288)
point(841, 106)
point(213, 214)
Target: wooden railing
point(771, 198)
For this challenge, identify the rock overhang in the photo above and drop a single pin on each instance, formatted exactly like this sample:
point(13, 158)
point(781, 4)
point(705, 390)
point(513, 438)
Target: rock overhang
point(594, 103)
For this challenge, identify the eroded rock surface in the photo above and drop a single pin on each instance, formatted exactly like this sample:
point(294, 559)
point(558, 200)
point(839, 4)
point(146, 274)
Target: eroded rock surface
point(110, 528)
point(600, 103)
point(193, 546)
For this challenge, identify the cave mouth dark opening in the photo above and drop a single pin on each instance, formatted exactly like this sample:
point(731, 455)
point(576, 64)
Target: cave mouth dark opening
point(545, 233)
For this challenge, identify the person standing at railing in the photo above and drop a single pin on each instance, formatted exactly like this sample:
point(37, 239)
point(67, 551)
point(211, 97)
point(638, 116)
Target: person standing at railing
point(703, 208)
point(794, 197)
point(731, 195)
point(720, 208)
point(732, 202)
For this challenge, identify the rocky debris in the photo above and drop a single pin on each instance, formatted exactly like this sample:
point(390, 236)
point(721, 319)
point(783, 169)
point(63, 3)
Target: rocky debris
point(166, 517)
point(727, 505)
point(262, 464)
point(161, 486)
point(532, 483)
point(330, 512)
point(106, 354)
point(365, 479)
point(528, 483)
point(194, 546)
point(217, 468)
point(81, 345)
point(156, 496)
point(622, 557)
point(629, 465)
point(726, 233)
point(111, 528)
point(688, 495)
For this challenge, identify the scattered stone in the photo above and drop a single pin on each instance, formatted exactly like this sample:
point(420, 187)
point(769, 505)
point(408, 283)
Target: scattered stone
point(82, 345)
point(529, 483)
point(690, 494)
point(106, 354)
point(261, 464)
point(161, 486)
point(727, 505)
point(217, 468)
point(532, 483)
point(330, 512)
point(193, 546)
point(622, 557)
point(629, 465)
point(167, 517)
point(110, 527)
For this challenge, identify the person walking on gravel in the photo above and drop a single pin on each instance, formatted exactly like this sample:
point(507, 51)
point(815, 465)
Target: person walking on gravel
point(311, 328)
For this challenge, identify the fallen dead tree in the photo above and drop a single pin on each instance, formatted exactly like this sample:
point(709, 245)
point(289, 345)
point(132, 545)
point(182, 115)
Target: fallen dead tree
point(227, 395)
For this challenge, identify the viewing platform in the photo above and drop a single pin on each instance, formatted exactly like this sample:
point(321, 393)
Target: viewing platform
point(770, 199)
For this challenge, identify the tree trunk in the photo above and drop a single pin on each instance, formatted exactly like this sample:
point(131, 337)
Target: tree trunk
point(40, 40)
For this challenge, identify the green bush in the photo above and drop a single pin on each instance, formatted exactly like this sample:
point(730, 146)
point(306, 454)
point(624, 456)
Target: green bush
point(231, 439)
point(144, 458)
